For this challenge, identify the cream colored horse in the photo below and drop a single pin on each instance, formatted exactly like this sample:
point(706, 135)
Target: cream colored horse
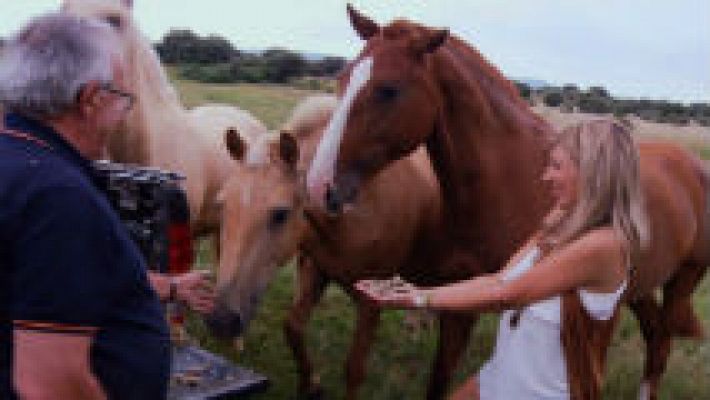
point(159, 130)
point(268, 220)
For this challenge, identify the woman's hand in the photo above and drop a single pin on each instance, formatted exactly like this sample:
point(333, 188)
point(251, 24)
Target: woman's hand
point(386, 295)
point(195, 289)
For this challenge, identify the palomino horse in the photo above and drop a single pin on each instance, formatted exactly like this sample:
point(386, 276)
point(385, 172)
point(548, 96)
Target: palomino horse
point(267, 223)
point(159, 131)
point(412, 85)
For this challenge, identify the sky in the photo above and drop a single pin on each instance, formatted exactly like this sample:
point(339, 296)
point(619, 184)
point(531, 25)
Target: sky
point(635, 48)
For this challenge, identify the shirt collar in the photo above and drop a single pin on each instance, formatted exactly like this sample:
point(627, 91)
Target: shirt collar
point(45, 133)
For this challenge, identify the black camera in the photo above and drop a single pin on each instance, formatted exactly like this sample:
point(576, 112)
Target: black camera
point(154, 210)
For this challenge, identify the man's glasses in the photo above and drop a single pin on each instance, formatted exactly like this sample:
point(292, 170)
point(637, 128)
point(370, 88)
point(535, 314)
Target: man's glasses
point(108, 87)
point(129, 97)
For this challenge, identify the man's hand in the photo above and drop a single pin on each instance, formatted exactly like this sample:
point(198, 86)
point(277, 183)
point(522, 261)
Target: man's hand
point(196, 290)
point(54, 366)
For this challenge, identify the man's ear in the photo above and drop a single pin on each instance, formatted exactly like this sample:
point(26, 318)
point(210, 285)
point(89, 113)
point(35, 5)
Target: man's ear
point(235, 144)
point(88, 97)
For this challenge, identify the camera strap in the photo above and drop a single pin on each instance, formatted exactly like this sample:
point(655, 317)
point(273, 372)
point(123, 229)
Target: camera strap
point(26, 137)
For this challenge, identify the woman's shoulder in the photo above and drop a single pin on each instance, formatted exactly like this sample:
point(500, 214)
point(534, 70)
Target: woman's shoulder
point(605, 249)
point(604, 239)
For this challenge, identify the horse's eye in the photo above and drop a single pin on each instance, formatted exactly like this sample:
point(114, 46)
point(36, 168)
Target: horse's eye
point(278, 217)
point(386, 93)
point(114, 21)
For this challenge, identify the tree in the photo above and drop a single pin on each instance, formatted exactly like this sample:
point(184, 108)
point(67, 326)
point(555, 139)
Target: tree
point(524, 89)
point(595, 105)
point(598, 91)
point(282, 65)
point(552, 99)
point(326, 67)
point(184, 46)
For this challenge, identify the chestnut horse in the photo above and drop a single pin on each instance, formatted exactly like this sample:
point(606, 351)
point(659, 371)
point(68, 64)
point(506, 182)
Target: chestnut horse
point(159, 131)
point(415, 85)
point(267, 222)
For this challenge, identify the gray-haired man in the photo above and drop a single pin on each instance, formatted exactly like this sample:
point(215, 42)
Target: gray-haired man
point(78, 318)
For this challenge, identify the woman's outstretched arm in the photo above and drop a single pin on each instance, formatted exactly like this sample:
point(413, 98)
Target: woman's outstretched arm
point(594, 261)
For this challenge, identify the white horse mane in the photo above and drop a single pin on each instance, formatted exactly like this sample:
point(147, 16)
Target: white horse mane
point(158, 103)
point(311, 114)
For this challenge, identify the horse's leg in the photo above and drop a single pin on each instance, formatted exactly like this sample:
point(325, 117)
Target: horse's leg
point(310, 287)
point(658, 344)
point(216, 248)
point(368, 318)
point(678, 312)
point(454, 330)
point(469, 390)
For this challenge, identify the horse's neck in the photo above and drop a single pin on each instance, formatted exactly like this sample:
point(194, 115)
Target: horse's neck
point(157, 119)
point(488, 152)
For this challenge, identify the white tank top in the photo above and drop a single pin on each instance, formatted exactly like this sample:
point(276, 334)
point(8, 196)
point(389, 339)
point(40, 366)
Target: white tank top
point(528, 361)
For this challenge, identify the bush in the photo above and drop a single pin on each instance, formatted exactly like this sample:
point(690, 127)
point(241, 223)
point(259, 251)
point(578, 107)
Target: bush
point(595, 105)
point(553, 99)
point(217, 73)
point(327, 67)
point(524, 89)
point(184, 46)
point(283, 65)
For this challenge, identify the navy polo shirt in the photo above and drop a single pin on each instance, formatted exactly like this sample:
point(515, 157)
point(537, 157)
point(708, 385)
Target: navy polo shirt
point(67, 265)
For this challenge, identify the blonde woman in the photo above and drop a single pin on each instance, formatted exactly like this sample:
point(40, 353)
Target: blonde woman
point(561, 290)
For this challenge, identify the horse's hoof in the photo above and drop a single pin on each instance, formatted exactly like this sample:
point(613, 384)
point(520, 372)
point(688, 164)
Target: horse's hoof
point(645, 391)
point(317, 394)
point(314, 393)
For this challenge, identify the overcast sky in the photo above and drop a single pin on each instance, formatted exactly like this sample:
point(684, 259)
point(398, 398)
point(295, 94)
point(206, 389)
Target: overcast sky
point(635, 48)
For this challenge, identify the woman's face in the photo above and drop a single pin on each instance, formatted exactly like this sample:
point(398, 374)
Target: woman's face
point(563, 176)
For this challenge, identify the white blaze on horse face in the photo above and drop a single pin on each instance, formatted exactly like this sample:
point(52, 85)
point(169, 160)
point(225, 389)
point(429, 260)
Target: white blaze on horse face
point(322, 169)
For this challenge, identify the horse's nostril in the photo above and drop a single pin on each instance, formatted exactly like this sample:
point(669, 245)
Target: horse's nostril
point(332, 202)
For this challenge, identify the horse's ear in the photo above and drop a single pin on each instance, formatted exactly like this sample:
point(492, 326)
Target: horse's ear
point(365, 27)
point(235, 144)
point(431, 40)
point(127, 3)
point(288, 149)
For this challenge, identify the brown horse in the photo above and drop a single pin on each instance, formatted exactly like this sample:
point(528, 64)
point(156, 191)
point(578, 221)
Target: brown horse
point(267, 222)
point(413, 85)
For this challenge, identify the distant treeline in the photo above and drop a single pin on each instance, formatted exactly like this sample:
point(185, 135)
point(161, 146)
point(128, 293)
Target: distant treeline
point(597, 100)
point(213, 59)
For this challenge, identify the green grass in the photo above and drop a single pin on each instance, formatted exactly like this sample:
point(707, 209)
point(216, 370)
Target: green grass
point(399, 362)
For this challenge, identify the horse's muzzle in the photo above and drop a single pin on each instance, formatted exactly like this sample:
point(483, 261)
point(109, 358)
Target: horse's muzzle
point(224, 324)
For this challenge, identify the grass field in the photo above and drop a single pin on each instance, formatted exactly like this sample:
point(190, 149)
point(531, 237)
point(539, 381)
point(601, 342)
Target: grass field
point(400, 359)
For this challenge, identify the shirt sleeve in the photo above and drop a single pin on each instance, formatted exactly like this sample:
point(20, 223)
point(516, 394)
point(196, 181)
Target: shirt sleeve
point(67, 262)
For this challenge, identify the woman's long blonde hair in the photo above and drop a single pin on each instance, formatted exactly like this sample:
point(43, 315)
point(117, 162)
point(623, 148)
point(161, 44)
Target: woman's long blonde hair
point(610, 192)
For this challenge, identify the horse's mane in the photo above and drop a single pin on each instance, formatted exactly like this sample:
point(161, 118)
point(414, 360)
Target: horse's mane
point(505, 96)
point(311, 114)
